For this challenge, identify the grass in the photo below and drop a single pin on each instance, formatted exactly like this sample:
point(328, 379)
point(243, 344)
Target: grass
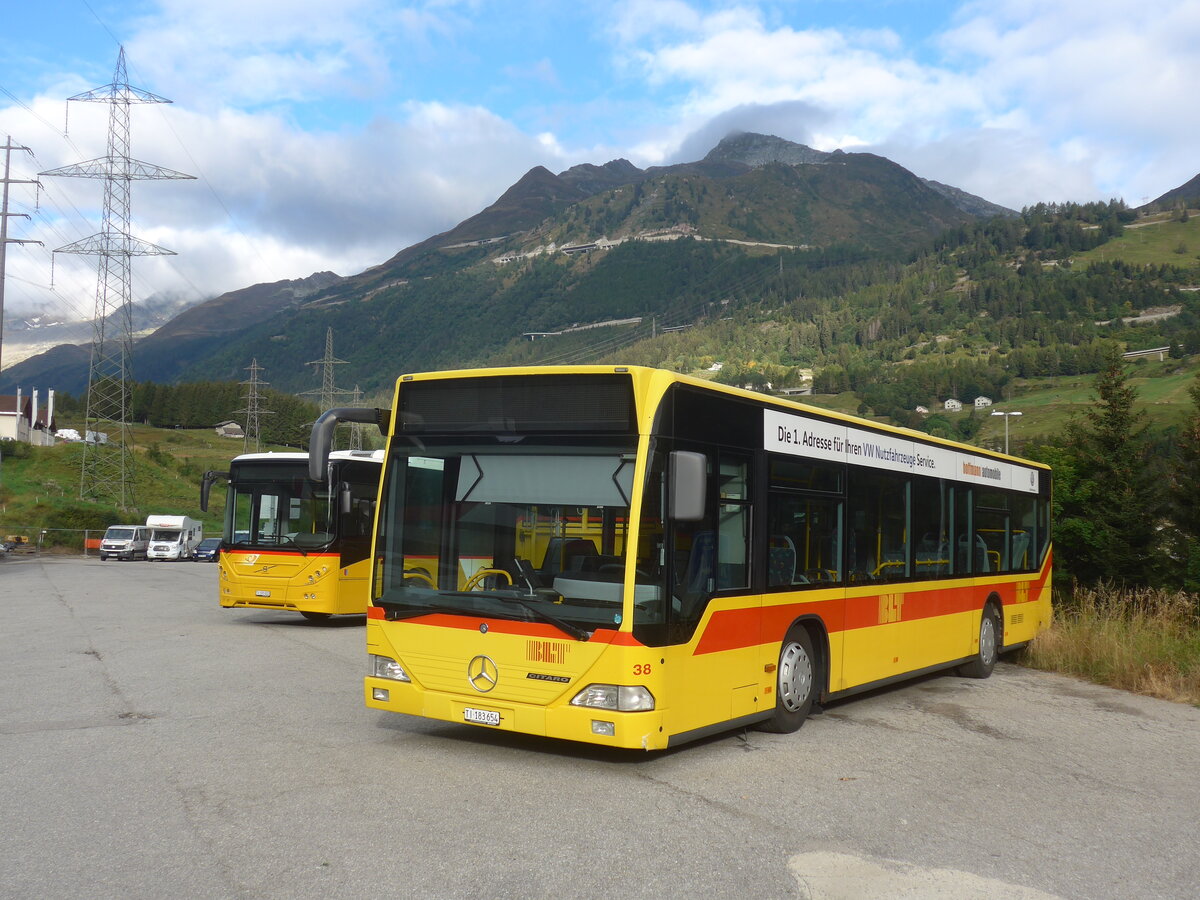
point(40, 489)
point(1142, 640)
point(1151, 241)
point(1047, 405)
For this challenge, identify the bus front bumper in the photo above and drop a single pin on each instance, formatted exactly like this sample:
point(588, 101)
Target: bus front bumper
point(608, 728)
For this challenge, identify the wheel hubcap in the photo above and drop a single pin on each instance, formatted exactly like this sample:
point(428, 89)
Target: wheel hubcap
point(987, 639)
point(795, 677)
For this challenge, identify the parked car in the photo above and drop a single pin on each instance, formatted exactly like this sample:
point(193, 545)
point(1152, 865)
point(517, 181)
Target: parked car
point(207, 550)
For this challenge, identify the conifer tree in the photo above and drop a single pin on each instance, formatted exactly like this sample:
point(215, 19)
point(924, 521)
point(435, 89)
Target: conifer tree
point(1184, 491)
point(1108, 528)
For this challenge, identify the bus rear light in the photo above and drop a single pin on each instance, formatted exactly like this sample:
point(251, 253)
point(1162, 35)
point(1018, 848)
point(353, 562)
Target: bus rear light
point(622, 698)
point(385, 667)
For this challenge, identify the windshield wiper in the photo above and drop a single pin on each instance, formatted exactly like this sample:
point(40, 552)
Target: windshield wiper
point(573, 630)
point(395, 612)
point(279, 539)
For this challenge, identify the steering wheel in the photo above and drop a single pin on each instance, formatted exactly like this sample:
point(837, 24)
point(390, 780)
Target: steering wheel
point(418, 575)
point(477, 579)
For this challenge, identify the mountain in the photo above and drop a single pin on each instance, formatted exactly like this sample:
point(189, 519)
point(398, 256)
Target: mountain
point(30, 335)
point(761, 149)
point(666, 237)
point(167, 349)
point(969, 203)
point(163, 355)
point(754, 150)
point(1187, 193)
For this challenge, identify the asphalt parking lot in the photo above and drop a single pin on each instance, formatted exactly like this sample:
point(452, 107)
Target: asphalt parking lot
point(155, 745)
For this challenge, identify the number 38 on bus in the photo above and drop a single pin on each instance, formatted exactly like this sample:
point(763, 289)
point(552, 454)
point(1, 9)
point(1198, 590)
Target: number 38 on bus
point(633, 558)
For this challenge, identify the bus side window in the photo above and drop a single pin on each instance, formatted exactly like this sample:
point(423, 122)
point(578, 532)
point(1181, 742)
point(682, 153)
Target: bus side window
point(804, 546)
point(733, 544)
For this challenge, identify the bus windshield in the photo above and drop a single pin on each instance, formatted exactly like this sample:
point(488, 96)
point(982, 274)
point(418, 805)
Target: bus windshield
point(523, 532)
point(275, 505)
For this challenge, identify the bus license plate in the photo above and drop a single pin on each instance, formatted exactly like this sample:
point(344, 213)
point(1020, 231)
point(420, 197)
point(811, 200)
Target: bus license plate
point(481, 716)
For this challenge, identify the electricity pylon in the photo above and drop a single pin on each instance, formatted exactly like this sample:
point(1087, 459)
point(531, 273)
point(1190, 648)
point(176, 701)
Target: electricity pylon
point(356, 427)
point(108, 470)
point(327, 394)
point(5, 240)
point(253, 410)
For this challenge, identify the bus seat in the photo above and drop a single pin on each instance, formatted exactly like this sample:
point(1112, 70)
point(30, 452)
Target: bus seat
point(701, 570)
point(1020, 546)
point(563, 554)
point(981, 553)
point(781, 563)
point(576, 553)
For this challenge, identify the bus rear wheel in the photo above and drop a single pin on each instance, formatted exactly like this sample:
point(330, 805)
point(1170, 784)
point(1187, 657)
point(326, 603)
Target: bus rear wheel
point(795, 682)
point(991, 635)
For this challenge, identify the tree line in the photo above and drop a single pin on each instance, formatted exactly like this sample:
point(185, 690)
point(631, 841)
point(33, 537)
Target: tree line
point(205, 404)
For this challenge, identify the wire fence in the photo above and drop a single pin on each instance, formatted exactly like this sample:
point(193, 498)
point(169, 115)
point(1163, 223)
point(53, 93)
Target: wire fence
point(84, 541)
point(61, 541)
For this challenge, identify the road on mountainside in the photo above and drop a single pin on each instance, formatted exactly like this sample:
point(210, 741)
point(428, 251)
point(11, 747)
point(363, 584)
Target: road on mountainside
point(155, 745)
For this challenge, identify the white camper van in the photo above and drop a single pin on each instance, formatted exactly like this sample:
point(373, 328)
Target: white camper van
point(173, 537)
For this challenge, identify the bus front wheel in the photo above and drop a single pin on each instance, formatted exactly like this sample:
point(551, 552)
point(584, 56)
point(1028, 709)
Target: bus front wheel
point(991, 634)
point(795, 682)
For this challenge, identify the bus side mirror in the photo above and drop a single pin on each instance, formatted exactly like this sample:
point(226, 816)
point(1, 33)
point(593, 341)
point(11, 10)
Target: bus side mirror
point(688, 480)
point(206, 484)
point(320, 441)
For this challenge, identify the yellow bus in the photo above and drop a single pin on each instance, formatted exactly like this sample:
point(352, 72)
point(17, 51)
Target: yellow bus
point(292, 544)
point(751, 556)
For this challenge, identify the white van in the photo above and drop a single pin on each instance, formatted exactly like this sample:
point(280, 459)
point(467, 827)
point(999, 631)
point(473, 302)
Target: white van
point(125, 542)
point(173, 537)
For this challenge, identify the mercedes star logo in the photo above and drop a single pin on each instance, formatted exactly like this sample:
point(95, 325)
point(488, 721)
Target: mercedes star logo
point(482, 673)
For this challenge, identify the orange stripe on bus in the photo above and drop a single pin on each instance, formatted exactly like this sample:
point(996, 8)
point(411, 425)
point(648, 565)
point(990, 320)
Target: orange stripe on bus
point(735, 629)
point(242, 553)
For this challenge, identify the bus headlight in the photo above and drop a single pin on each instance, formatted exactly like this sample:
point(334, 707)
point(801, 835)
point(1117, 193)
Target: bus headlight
point(621, 697)
point(385, 667)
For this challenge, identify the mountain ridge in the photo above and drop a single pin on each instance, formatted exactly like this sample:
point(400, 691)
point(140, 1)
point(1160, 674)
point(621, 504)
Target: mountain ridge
point(732, 194)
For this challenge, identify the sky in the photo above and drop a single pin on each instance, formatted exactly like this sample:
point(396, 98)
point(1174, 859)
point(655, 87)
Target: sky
point(327, 136)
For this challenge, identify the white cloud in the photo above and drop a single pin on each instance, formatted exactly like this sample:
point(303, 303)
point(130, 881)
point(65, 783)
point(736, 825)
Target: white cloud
point(274, 201)
point(1081, 99)
point(274, 51)
point(1014, 100)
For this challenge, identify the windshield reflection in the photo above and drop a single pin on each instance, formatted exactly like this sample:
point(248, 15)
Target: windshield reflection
point(276, 506)
point(519, 535)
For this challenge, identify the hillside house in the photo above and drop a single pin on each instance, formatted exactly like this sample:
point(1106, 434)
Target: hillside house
point(22, 419)
point(922, 410)
point(983, 402)
point(230, 430)
point(952, 406)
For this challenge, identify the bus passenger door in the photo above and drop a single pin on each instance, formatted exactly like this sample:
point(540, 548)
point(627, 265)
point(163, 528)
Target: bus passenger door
point(714, 621)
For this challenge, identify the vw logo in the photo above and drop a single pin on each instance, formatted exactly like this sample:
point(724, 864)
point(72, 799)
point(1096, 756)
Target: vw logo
point(482, 674)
